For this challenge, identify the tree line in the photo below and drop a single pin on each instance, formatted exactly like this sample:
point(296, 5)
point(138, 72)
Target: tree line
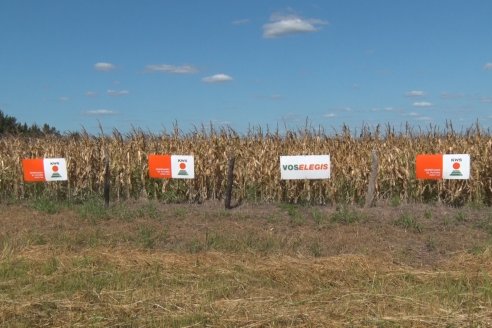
point(10, 126)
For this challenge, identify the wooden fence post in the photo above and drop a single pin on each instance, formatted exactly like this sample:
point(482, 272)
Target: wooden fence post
point(230, 181)
point(372, 180)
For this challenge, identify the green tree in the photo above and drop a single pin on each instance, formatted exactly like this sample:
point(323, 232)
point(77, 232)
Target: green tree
point(9, 125)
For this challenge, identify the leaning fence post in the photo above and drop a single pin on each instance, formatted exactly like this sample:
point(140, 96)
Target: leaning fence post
point(230, 181)
point(372, 180)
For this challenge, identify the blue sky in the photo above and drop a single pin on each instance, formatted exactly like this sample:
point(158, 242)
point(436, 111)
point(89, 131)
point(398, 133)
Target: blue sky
point(146, 64)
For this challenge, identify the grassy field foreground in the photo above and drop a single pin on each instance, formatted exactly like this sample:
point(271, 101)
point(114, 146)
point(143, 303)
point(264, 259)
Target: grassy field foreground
point(147, 264)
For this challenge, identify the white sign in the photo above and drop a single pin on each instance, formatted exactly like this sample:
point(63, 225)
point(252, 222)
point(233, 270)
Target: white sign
point(182, 167)
point(456, 166)
point(305, 167)
point(55, 169)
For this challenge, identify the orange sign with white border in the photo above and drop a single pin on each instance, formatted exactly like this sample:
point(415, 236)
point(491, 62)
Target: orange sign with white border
point(171, 166)
point(44, 169)
point(438, 166)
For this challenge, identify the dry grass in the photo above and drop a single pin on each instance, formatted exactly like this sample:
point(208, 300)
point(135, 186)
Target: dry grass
point(154, 265)
point(120, 287)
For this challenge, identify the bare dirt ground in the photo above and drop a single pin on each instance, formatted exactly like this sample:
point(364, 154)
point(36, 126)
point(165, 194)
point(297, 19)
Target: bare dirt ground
point(148, 264)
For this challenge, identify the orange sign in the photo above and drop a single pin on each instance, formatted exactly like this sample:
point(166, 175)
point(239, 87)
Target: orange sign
point(44, 169)
point(171, 166)
point(160, 166)
point(429, 167)
point(33, 170)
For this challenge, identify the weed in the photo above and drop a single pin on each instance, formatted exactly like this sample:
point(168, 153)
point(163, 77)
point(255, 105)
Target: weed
point(93, 210)
point(345, 215)
point(316, 248)
point(485, 224)
point(194, 246)
point(47, 205)
point(272, 218)
point(219, 241)
point(252, 193)
point(476, 204)
point(149, 236)
point(485, 287)
point(477, 250)
point(148, 210)
point(395, 201)
point(50, 266)
point(408, 222)
point(263, 244)
point(430, 244)
point(36, 239)
point(146, 237)
point(318, 216)
point(13, 269)
point(7, 249)
point(295, 216)
point(460, 217)
point(126, 212)
point(173, 195)
point(187, 320)
point(180, 212)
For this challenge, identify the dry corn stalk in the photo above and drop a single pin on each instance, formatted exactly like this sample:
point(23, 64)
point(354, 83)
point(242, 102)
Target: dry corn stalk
point(257, 173)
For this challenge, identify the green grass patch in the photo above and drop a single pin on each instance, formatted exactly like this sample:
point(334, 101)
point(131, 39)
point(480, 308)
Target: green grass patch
point(346, 215)
point(296, 218)
point(48, 205)
point(409, 223)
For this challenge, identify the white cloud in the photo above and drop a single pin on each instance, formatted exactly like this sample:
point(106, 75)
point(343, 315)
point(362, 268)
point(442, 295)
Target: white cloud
point(486, 100)
point(241, 21)
point(217, 122)
point(115, 93)
point(91, 93)
point(424, 118)
point(386, 109)
point(415, 93)
point(172, 69)
point(104, 67)
point(217, 78)
point(330, 115)
point(276, 97)
point(282, 25)
point(488, 66)
point(291, 118)
point(64, 98)
point(413, 114)
point(101, 112)
point(422, 104)
point(452, 95)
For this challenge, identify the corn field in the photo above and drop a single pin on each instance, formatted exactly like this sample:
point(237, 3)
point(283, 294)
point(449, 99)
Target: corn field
point(257, 173)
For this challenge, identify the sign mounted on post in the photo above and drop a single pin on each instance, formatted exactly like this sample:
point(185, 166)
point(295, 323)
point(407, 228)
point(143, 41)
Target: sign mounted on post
point(44, 169)
point(305, 167)
point(448, 166)
point(171, 166)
